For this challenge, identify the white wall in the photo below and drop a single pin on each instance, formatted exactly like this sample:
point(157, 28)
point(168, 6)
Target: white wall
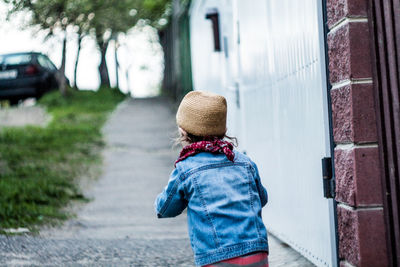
point(276, 61)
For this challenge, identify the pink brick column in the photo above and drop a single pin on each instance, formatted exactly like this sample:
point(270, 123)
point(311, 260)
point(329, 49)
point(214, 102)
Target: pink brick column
point(361, 226)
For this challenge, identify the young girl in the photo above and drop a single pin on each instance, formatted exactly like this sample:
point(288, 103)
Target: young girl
point(219, 186)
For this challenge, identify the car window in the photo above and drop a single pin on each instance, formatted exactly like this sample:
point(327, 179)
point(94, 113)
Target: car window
point(50, 64)
point(15, 59)
point(42, 62)
point(46, 63)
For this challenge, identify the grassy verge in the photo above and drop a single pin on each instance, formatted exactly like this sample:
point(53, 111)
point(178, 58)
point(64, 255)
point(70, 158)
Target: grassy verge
point(39, 166)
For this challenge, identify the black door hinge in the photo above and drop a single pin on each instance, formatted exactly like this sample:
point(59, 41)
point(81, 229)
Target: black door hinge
point(327, 178)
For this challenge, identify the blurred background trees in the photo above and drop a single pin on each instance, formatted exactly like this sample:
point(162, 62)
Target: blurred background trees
point(102, 20)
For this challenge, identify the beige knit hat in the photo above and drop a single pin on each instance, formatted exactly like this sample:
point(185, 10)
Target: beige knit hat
point(202, 113)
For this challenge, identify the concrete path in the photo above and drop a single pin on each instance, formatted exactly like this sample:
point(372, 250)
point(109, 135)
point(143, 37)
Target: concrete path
point(119, 227)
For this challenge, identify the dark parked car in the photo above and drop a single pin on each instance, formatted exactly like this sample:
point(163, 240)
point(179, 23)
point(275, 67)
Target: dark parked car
point(24, 75)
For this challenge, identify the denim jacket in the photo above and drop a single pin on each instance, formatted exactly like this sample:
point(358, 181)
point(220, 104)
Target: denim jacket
point(224, 201)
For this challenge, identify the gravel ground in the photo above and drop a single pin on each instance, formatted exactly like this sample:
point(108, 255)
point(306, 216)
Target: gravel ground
point(24, 114)
point(34, 251)
point(119, 227)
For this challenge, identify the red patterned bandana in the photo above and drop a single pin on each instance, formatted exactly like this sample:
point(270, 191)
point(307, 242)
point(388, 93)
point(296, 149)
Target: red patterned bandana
point(213, 146)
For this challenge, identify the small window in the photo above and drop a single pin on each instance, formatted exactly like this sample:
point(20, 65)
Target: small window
point(214, 17)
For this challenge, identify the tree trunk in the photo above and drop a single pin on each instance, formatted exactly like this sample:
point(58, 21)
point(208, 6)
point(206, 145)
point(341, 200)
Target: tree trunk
point(62, 81)
point(128, 79)
point(116, 64)
point(103, 71)
point(77, 59)
point(167, 87)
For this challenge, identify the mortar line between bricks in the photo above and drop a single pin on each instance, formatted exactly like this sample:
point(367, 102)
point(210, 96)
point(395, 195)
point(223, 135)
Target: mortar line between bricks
point(340, 84)
point(353, 145)
point(351, 81)
point(351, 208)
point(362, 81)
point(347, 264)
point(345, 21)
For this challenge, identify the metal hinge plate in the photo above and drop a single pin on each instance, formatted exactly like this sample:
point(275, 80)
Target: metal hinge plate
point(327, 178)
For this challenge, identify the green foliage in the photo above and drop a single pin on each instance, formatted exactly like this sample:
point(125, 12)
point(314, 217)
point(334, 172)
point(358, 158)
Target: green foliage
point(118, 16)
point(114, 16)
point(39, 166)
point(52, 14)
point(96, 16)
point(154, 10)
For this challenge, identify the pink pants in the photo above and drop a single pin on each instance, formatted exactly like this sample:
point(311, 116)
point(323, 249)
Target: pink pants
point(259, 259)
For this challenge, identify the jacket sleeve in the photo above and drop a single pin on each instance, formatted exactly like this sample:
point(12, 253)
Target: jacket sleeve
point(262, 192)
point(171, 201)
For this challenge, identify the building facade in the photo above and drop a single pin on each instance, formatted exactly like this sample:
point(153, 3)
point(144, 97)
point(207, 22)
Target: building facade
point(313, 97)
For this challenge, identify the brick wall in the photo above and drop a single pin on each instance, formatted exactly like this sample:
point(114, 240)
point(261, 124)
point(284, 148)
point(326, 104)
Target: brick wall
point(358, 184)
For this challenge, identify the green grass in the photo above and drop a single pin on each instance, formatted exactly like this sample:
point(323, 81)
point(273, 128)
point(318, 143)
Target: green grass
point(39, 167)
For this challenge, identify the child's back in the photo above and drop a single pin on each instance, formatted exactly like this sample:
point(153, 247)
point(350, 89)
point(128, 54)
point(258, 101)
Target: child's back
point(224, 201)
point(223, 194)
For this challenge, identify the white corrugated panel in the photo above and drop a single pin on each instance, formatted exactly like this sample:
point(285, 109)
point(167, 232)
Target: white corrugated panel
point(281, 116)
point(217, 71)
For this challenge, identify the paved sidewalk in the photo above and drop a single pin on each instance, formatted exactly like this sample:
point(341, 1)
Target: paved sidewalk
point(119, 227)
